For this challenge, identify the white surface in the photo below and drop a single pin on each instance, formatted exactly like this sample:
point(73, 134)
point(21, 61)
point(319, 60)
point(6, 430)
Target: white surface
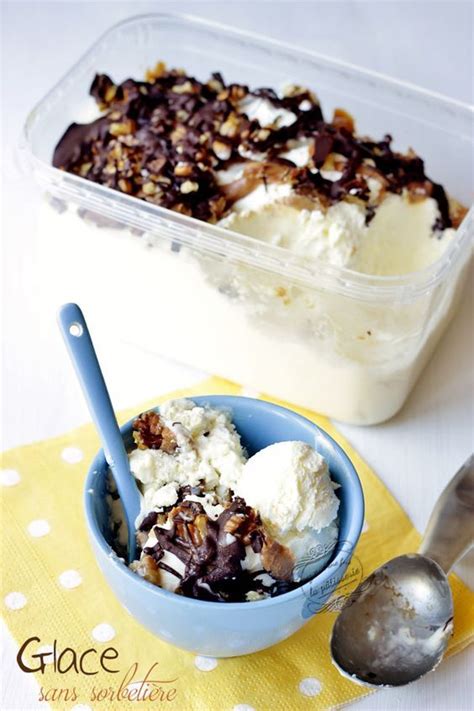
point(429, 43)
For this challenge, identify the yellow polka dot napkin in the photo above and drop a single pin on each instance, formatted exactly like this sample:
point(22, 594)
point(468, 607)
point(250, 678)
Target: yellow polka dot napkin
point(53, 591)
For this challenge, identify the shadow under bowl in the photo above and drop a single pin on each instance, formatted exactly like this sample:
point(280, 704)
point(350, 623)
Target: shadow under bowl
point(231, 629)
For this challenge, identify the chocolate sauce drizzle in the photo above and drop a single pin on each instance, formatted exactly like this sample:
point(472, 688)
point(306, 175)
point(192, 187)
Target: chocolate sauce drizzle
point(212, 555)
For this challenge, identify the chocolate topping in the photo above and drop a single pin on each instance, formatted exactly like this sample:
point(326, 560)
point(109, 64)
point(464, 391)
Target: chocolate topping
point(164, 139)
point(212, 551)
point(149, 521)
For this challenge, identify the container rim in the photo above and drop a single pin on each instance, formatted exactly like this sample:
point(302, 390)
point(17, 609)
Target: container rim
point(356, 514)
point(308, 271)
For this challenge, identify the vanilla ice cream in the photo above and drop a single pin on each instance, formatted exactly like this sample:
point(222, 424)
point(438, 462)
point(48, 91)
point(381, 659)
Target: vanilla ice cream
point(398, 240)
point(288, 483)
point(199, 533)
point(320, 284)
point(208, 453)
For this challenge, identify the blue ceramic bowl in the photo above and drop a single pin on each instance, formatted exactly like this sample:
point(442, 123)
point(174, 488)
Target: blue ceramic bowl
point(233, 628)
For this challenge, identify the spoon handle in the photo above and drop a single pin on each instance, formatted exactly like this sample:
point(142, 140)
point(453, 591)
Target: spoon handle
point(81, 349)
point(450, 530)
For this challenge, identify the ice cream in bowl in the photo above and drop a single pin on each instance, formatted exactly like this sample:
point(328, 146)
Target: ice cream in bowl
point(249, 516)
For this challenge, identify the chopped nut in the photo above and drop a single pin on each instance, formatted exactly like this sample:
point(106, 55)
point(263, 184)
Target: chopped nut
point(153, 74)
point(457, 211)
point(149, 432)
point(293, 90)
point(215, 85)
point(178, 134)
point(282, 293)
point(121, 129)
point(148, 569)
point(110, 93)
point(183, 169)
point(198, 529)
point(157, 164)
point(237, 93)
point(128, 140)
point(84, 169)
point(419, 191)
point(174, 125)
point(189, 186)
point(230, 127)
point(125, 185)
point(342, 119)
point(234, 522)
point(182, 209)
point(277, 560)
point(222, 150)
point(149, 188)
point(184, 88)
point(116, 151)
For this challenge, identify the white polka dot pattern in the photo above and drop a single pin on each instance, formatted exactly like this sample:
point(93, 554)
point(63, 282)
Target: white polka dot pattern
point(9, 477)
point(72, 455)
point(310, 686)
point(39, 528)
point(103, 632)
point(15, 600)
point(70, 579)
point(205, 664)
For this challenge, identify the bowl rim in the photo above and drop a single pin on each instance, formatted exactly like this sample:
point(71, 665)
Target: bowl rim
point(355, 514)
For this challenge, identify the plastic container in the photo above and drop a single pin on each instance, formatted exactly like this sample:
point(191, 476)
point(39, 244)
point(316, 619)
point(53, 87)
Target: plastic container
point(345, 344)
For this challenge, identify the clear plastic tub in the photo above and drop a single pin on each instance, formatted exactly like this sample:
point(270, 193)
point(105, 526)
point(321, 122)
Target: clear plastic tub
point(346, 344)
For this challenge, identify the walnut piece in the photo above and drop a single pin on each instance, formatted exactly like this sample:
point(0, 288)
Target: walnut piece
point(277, 560)
point(148, 569)
point(342, 119)
point(150, 432)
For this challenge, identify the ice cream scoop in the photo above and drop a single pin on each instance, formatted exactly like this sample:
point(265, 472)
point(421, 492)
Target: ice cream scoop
point(288, 483)
point(396, 626)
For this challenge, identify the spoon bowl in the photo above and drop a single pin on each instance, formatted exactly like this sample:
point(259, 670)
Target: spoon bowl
point(397, 625)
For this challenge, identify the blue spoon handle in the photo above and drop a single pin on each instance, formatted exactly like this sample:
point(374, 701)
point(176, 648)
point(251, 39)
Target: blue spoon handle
point(79, 344)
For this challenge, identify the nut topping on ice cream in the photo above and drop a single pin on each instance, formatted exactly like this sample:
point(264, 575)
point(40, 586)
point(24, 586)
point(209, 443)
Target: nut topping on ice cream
point(199, 536)
point(170, 140)
point(149, 432)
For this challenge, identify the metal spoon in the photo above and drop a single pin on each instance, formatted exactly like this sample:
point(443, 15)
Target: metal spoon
point(79, 344)
point(396, 626)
